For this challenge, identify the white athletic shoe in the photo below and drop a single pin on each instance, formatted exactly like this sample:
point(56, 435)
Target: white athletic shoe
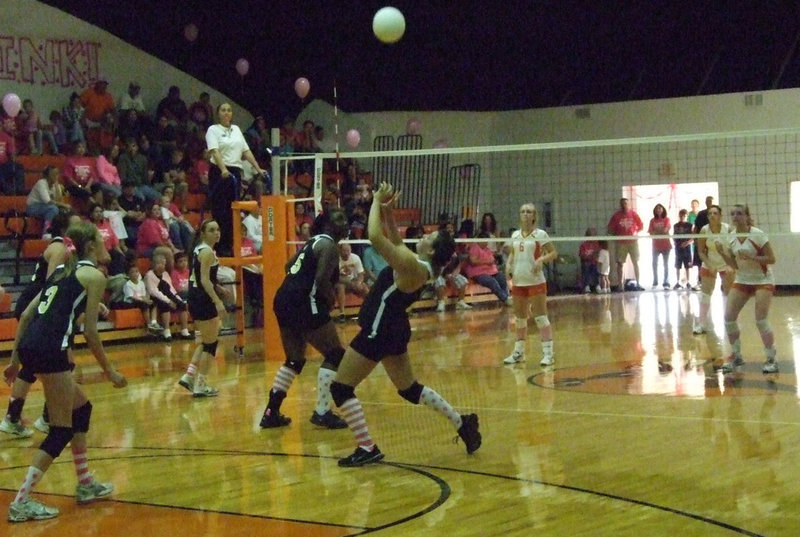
point(461, 305)
point(30, 509)
point(515, 358)
point(41, 425)
point(94, 490)
point(16, 429)
point(440, 306)
point(547, 360)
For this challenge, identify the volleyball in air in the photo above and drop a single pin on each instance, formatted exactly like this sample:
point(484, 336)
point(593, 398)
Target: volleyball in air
point(389, 24)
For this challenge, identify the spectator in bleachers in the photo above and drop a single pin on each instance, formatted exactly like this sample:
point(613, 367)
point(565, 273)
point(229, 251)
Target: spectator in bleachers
point(79, 172)
point(201, 113)
point(258, 138)
point(173, 109)
point(181, 231)
point(173, 173)
point(135, 295)
point(59, 131)
point(252, 224)
point(197, 178)
point(97, 102)
point(163, 139)
point(133, 168)
point(374, 263)
point(132, 100)
point(452, 276)
point(72, 114)
point(165, 299)
point(107, 173)
point(34, 131)
point(153, 237)
point(180, 274)
point(351, 277)
point(46, 197)
point(131, 125)
point(133, 212)
point(304, 235)
point(115, 248)
point(116, 216)
point(482, 268)
point(12, 174)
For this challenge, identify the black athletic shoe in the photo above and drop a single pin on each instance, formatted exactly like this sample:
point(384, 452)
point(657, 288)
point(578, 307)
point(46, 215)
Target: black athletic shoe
point(468, 432)
point(361, 456)
point(270, 420)
point(329, 420)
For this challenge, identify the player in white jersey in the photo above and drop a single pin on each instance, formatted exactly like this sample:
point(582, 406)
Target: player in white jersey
point(751, 256)
point(714, 233)
point(530, 250)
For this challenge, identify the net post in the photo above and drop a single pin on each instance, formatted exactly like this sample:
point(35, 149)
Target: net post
point(277, 222)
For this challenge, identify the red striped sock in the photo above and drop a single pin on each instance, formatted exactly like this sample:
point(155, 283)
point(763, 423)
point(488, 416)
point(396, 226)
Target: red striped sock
point(354, 416)
point(191, 370)
point(283, 379)
point(81, 461)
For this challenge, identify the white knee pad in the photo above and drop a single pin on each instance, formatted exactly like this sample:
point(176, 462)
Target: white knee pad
point(521, 322)
point(763, 326)
point(705, 299)
point(542, 321)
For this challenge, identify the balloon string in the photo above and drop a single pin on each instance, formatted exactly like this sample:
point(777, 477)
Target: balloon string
point(336, 140)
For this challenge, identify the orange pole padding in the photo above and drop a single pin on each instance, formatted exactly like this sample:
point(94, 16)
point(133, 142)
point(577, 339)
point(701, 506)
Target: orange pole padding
point(277, 226)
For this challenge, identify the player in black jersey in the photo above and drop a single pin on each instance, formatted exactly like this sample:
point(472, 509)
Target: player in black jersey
point(302, 305)
point(56, 253)
point(205, 307)
point(385, 330)
point(45, 332)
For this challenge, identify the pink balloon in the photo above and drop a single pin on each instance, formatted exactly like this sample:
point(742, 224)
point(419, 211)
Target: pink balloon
point(301, 87)
point(242, 66)
point(353, 138)
point(190, 32)
point(11, 104)
point(413, 126)
point(441, 143)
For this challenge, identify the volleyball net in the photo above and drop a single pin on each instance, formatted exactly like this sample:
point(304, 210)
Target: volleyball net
point(575, 185)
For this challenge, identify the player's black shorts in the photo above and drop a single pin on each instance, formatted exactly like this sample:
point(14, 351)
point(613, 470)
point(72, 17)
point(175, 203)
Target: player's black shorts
point(201, 308)
point(294, 311)
point(390, 341)
point(38, 361)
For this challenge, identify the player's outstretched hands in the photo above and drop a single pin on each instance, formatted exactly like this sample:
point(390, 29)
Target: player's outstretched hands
point(386, 195)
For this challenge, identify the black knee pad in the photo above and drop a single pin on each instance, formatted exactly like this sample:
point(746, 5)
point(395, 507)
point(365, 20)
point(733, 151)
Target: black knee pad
point(210, 348)
point(56, 440)
point(341, 392)
point(334, 357)
point(81, 417)
point(412, 393)
point(295, 365)
point(27, 375)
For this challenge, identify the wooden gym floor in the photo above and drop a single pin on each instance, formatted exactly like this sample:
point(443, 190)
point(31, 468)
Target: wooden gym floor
point(632, 433)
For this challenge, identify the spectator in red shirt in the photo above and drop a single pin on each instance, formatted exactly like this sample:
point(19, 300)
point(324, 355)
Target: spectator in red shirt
point(79, 172)
point(626, 223)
